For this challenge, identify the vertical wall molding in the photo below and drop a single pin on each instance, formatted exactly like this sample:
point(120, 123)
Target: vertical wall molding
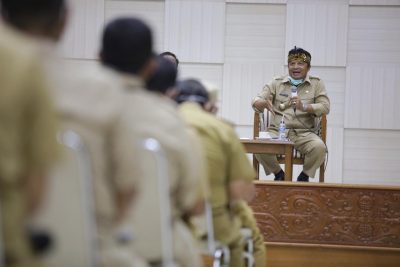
point(196, 29)
point(82, 37)
point(319, 27)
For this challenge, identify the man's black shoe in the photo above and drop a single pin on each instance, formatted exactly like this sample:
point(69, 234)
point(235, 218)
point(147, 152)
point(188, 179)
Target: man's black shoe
point(302, 177)
point(280, 176)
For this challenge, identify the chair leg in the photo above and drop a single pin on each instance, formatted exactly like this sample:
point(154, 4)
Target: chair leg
point(322, 173)
point(221, 257)
point(256, 166)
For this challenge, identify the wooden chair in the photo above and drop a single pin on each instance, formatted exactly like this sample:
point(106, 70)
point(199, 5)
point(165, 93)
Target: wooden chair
point(298, 158)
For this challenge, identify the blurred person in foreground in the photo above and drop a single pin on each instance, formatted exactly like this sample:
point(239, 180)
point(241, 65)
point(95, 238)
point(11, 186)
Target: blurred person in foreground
point(127, 48)
point(241, 209)
point(230, 174)
point(299, 112)
point(27, 144)
point(88, 101)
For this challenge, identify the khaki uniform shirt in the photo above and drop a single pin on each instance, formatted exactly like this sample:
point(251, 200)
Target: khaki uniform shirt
point(152, 115)
point(312, 92)
point(89, 101)
point(227, 162)
point(27, 136)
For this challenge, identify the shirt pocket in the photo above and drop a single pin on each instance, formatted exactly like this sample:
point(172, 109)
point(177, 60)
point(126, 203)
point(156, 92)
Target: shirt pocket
point(282, 97)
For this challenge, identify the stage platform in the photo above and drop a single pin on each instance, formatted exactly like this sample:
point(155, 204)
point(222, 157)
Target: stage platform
point(326, 225)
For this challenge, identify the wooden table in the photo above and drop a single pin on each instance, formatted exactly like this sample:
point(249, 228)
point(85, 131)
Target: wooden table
point(272, 146)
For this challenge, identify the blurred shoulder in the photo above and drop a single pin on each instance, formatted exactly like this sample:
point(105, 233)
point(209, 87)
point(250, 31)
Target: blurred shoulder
point(313, 77)
point(279, 78)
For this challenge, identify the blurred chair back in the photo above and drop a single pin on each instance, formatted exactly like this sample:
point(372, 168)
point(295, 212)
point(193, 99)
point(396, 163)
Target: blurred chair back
point(151, 216)
point(68, 212)
point(210, 249)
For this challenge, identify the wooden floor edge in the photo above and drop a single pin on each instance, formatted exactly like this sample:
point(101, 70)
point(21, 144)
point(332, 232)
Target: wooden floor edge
point(308, 255)
point(327, 185)
point(282, 244)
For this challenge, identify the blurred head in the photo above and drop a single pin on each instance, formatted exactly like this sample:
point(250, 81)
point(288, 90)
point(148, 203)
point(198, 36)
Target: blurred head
point(191, 90)
point(42, 18)
point(127, 47)
point(299, 63)
point(171, 57)
point(164, 77)
point(213, 91)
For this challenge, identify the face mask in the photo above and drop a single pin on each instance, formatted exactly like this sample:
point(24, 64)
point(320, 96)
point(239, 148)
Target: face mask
point(295, 82)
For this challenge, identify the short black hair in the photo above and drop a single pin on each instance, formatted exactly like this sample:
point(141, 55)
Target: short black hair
point(126, 45)
point(191, 90)
point(297, 50)
point(168, 53)
point(23, 13)
point(164, 77)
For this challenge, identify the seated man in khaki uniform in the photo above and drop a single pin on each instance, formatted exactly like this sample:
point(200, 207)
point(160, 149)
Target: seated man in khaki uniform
point(300, 98)
point(230, 173)
point(127, 48)
point(88, 101)
point(27, 143)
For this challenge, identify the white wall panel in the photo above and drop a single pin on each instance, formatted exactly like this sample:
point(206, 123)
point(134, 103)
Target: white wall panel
point(334, 169)
point(372, 97)
point(374, 35)
point(151, 12)
point(255, 33)
point(196, 30)
point(207, 72)
point(82, 36)
point(375, 2)
point(320, 27)
point(371, 157)
point(335, 83)
point(242, 82)
point(257, 1)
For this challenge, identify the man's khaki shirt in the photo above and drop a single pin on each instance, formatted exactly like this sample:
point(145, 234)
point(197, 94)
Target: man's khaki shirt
point(89, 101)
point(153, 115)
point(226, 158)
point(27, 118)
point(27, 138)
point(312, 92)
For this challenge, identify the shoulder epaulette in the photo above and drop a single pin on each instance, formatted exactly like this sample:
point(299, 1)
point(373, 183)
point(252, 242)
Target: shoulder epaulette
point(314, 77)
point(278, 77)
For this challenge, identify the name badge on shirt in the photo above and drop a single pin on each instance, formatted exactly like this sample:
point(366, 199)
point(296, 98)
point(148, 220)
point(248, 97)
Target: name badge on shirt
point(283, 94)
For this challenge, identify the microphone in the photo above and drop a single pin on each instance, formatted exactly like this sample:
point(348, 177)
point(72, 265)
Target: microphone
point(293, 89)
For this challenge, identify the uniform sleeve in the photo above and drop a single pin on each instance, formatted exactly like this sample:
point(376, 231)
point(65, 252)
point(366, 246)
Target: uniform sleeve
point(239, 166)
point(194, 182)
point(203, 191)
point(125, 155)
point(322, 103)
point(41, 148)
point(267, 90)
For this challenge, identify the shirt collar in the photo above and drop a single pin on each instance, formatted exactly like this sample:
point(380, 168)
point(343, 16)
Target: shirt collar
point(132, 82)
point(286, 79)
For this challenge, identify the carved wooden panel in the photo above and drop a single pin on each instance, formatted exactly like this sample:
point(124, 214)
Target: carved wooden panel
point(328, 214)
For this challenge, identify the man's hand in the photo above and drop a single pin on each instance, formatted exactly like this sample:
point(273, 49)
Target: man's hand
point(262, 104)
point(295, 101)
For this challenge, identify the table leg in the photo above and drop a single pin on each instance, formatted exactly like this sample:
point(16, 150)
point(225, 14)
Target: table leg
point(288, 162)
